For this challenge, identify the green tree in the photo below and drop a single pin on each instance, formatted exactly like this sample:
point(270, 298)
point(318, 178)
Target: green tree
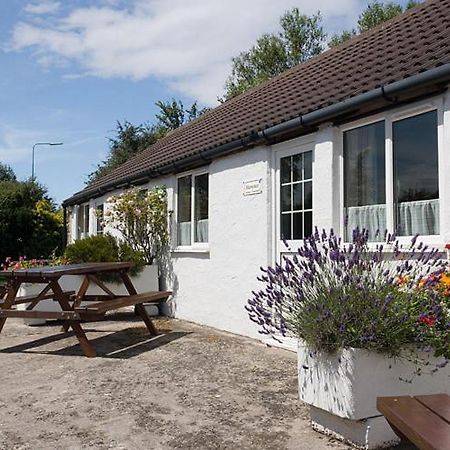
point(6, 173)
point(301, 37)
point(375, 14)
point(173, 114)
point(29, 223)
point(131, 139)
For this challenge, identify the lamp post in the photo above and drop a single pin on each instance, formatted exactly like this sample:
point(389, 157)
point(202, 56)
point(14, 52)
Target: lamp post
point(32, 155)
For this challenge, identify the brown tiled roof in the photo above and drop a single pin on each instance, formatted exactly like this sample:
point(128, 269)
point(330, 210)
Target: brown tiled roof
point(411, 43)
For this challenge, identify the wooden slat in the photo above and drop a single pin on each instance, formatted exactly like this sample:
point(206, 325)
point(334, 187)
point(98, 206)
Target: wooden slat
point(51, 272)
point(30, 298)
point(102, 286)
point(23, 314)
point(438, 403)
point(416, 422)
point(13, 288)
point(128, 300)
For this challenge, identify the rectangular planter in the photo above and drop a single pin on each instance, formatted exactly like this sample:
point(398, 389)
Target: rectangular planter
point(147, 280)
point(342, 388)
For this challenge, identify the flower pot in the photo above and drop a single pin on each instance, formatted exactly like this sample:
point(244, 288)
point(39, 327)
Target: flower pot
point(342, 389)
point(44, 305)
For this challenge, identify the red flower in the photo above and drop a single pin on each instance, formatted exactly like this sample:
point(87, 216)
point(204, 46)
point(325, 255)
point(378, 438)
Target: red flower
point(428, 320)
point(447, 246)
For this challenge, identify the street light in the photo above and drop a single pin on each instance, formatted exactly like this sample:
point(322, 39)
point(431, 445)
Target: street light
point(32, 155)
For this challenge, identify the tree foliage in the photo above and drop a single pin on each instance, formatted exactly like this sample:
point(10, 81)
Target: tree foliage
point(30, 224)
point(6, 173)
point(301, 37)
point(375, 14)
point(131, 139)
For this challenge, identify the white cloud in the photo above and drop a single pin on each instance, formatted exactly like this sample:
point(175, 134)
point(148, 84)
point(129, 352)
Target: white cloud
point(187, 44)
point(45, 7)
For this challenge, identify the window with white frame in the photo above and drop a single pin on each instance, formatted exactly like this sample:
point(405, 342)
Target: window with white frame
point(296, 196)
point(413, 186)
point(83, 221)
point(192, 210)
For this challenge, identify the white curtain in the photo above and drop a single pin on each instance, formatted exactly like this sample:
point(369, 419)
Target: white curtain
point(201, 232)
point(184, 232)
point(419, 217)
point(371, 218)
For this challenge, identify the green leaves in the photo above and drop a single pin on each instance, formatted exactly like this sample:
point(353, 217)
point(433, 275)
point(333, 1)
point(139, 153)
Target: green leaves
point(301, 37)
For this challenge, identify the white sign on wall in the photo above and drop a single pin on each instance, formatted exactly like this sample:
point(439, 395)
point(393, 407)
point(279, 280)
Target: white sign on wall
point(252, 187)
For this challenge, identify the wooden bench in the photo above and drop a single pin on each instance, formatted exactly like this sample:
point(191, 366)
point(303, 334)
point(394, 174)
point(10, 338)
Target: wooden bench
point(423, 420)
point(100, 308)
point(32, 298)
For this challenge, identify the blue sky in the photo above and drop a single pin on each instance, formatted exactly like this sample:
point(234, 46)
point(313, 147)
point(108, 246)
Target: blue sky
point(70, 69)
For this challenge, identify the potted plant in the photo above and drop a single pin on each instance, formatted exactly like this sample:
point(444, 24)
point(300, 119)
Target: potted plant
point(369, 323)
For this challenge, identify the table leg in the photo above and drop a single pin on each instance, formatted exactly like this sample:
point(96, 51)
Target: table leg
point(139, 308)
point(13, 288)
point(78, 299)
point(86, 346)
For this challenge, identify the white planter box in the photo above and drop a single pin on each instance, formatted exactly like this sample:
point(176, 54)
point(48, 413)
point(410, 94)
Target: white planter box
point(147, 280)
point(342, 390)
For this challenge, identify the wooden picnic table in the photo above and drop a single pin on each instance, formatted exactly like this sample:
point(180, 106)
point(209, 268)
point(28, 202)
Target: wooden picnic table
point(423, 420)
point(72, 310)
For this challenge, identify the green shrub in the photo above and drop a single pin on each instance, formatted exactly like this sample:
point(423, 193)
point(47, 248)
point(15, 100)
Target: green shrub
point(104, 248)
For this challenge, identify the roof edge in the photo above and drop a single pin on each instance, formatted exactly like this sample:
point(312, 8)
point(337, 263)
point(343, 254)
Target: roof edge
point(314, 118)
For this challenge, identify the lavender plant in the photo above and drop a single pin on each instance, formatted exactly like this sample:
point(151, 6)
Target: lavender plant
point(334, 296)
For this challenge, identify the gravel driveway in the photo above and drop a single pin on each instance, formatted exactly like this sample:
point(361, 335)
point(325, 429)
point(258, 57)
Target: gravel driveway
point(191, 388)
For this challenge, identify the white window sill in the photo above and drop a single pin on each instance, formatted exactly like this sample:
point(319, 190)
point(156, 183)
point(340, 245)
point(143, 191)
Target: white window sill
point(180, 250)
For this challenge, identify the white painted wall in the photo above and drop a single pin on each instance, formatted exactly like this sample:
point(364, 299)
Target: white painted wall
point(211, 286)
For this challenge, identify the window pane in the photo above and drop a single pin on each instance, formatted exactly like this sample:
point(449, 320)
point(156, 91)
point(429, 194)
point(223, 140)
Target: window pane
point(308, 224)
point(307, 162)
point(308, 195)
point(364, 178)
point(298, 196)
point(416, 174)
point(297, 167)
point(201, 208)
point(285, 169)
point(184, 210)
point(286, 198)
point(297, 231)
point(86, 219)
point(286, 226)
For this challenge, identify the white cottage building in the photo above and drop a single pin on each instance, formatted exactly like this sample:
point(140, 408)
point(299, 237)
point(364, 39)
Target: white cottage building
point(357, 136)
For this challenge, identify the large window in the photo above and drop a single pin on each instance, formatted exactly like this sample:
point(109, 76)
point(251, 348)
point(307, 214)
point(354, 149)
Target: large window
point(296, 196)
point(364, 179)
point(412, 190)
point(192, 210)
point(416, 175)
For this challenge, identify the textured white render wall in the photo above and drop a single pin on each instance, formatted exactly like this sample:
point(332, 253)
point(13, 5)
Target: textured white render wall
point(212, 288)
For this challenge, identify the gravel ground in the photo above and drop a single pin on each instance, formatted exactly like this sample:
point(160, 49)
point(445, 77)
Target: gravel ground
point(190, 388)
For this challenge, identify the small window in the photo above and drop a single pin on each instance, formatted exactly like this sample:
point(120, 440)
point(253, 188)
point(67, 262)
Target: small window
point(296, 196)
point(192, 210)
point(83, 221)
point(99, 213)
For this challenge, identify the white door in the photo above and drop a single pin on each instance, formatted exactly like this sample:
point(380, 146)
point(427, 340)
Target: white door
point(294, 188)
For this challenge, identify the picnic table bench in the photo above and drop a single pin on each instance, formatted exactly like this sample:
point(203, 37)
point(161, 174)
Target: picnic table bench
point(73, 307)
point(423, 420)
